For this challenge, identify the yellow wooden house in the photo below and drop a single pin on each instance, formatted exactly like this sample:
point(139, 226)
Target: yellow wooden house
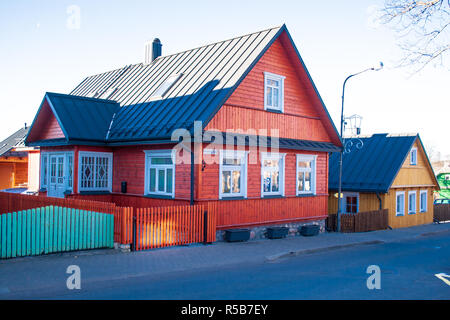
point(384, 171)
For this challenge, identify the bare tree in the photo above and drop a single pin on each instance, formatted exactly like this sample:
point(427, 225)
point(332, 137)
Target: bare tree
point(422, 28)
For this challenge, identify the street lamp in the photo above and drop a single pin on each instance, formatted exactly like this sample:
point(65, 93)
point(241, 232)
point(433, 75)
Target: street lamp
point(339, 209)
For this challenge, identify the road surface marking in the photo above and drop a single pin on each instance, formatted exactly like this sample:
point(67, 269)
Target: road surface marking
point(443, 277)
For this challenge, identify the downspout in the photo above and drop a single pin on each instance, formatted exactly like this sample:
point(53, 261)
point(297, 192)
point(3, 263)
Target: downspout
point(192, 171)
point(379, 199)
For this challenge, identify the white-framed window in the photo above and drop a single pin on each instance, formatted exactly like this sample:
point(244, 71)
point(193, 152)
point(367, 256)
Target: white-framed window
point(350, 202)
point(273, 92)
point(272, 174)
point(412, 202)
point(166, 85)
point(44, 170)
point(413, 157)
point(160, 172)
point(233, 173)
point(400, 203)
point(306, 174)
point(95, 171)
point(423, 201)
point(65, 169)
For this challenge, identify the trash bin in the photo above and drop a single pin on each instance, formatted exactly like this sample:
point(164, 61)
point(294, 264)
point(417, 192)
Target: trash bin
point(309, 230)
point(237, 235)
point(277, 232)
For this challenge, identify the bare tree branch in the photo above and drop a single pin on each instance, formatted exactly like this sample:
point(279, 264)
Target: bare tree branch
point(422, 29)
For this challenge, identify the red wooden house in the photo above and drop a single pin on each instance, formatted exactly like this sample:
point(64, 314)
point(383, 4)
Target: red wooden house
point(116, 136)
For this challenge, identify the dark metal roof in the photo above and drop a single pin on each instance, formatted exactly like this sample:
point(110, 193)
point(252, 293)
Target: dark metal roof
point(269, 142)
point(13, 141)
point(208, 76)
point(80, 118)
point(374, 167)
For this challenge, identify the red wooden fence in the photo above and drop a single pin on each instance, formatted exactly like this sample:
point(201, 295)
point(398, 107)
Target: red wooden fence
point(172, 225)
point(11, 202)
point(177, 225)
point(258, 212)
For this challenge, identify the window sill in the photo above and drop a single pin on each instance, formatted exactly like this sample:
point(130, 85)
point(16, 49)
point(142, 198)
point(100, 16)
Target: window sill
point(305, 195)
point(231, 198)
point(273, 110)
point(158, 196)
point(276, 196)
point(94, 192)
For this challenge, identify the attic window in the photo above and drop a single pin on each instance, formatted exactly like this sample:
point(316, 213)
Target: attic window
point(162, 90)
point(413, 157)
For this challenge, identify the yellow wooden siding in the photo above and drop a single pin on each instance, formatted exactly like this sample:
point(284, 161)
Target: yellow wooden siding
point(415, 175)
point(367, 202)
point(409, 220)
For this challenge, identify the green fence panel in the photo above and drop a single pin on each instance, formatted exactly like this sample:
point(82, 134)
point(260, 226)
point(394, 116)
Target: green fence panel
point(8, 235)
point(76, 230)
point(3, 234)
point(24, 233)
point(54, 229)
point(42, 231)
point(33, 232)
point(29, 232)
point(14, 235)
point(19, 234)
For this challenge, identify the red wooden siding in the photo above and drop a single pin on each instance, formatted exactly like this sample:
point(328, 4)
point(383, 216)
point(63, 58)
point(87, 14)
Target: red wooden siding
point(129, 166)
point(247, 213)
point(245, 108)
point(46, 126)
point(209, 186)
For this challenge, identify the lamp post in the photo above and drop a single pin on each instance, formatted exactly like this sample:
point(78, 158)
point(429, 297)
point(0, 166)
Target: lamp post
point(339, 208)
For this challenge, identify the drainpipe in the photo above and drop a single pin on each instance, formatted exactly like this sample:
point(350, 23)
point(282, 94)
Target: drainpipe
point(192, 171)
point(379, 199)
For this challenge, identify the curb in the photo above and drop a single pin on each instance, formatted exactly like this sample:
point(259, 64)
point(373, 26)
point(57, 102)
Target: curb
point(322, 249)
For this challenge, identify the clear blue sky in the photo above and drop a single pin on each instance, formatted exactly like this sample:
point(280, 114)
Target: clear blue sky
point(40, 53)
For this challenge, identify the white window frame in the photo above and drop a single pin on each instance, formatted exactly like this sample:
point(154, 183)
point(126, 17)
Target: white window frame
point(412, 210)
point(281, 158)
point(108, 155)
point(149, 154)
point(402, 212)
point(313, 170)
point(274, 77)
point(411, 162)
point(47, 155)
point(44, 184)
point(243, 155)
point(344, 200)
point(421, 203)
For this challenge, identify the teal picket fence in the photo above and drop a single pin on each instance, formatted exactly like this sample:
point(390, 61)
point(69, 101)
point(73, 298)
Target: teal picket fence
point(54, 229)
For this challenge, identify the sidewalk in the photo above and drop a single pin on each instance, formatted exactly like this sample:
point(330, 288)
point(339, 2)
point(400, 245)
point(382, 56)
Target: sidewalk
point(34, 273)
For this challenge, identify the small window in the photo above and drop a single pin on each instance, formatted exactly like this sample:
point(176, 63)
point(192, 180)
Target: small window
point(160, 173)
point(233, 176)
point(412, 202)
point(306, 174)
point(272, 174)
point(400, 204)
point(413, 157)
point(44, 170)
point(95, 171)
point(162, 90)
point(423, 200)
point(273, 92)
point(351, 202)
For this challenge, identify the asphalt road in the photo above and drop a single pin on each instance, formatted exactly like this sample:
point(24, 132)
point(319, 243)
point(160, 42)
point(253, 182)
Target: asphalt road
point(408, 271)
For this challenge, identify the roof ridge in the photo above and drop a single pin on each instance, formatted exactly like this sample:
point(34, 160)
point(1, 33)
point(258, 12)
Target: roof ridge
point(184, 51)
point(217, 42)
point(82, 97)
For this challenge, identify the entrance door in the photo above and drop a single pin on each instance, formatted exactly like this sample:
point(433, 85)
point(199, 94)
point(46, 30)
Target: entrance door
point(57, 183)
